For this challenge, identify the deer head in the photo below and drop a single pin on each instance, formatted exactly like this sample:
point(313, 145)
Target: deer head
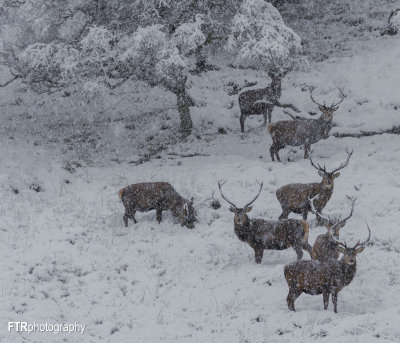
point(186, 214)
point(276, 75)
point(241, 217)
point(327, 111)
point(333, 224)
point(349, 254)
point(328, 177)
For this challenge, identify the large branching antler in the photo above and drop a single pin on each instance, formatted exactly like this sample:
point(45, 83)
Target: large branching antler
point(358, 244)
point(366, 241)
point(342, 221)
point(223, 196)
point(311, 89)
point(343, 244)
point(255, 198)
point(345, 163)
point(318, 167)
point(327, 219)
point(342, 96)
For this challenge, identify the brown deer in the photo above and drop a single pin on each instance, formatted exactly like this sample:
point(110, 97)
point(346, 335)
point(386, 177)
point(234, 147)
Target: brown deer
point(295, 197)
point(313, 277)
point(262, 100)
point(159, 196)
point(325, 247)
point(303, 132)
point(267, 234)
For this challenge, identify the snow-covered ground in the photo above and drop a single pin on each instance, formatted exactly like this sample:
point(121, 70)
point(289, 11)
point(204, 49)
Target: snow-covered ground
point(66, 256)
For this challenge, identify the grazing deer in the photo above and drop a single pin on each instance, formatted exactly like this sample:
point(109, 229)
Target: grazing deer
point(159, 196)
point(313, 277)
point(303, 132)
point(325, 247)
point(261, 101)
point(295, 197)
point(267, 234)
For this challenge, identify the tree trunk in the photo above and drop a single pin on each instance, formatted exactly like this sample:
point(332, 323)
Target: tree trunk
point(184, 101)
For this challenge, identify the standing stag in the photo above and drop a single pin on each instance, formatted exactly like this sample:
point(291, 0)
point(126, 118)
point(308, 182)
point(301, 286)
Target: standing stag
point(159, 196)
point(295, 196)
point(303, 132)
point(313, 277)
point(267, 234)
point(326, 247)
point(261, 101)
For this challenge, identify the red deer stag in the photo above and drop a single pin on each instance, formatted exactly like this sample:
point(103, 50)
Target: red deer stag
point(326, 247)
point(159, 196)
point(303, 132)
point(263, 100)
point(267, 234)
point(313, 277)
point(295, 196)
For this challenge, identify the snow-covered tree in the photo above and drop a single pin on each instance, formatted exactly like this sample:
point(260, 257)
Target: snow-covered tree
point(104, 55)
point(259, 37)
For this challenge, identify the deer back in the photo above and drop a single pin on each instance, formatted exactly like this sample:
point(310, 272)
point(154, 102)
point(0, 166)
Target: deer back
point(147, 196)
point(280, 234)
point(299, 132)
point(248, 98)
point(324, 249)
point(296, 195)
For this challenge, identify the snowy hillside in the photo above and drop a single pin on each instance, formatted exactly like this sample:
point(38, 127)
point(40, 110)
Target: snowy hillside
point(67, 257)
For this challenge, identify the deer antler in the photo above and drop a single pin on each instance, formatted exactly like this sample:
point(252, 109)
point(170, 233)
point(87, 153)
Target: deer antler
point(311, 88)
point(367, 240)
point(311, 200)
point(223, 196)
point(343, 244)
point(255, 198)
point(318, 167)
point(345, 163)
point(353, 200)
point(341, 95)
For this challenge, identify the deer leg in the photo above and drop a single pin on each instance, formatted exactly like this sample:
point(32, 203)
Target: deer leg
point(307, 247)
point(265, 114)
point(272, 152)
point(259, 253)
point(242, 119)
point(325, 295)
point(298, 251)
point(294, 293)
point(285, 213)
point(125, 217)
point(334, 300)
point(159, 214)
point(277, 154)
point(306, 150)
point(269, 115)
point(305, 213)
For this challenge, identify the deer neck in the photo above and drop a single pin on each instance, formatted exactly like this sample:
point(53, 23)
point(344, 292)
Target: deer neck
point(347, 272)
point(243, 231)
point(276, 89)
point(325, 192)
point(325, 126)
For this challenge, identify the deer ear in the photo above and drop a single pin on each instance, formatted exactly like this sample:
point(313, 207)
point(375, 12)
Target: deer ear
point(321, 108)
point(359, 250)
point(248, 209)
point(335, 108)
point(232, 209)
point(341, 249)
point(321, 173)
point(335, 175)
